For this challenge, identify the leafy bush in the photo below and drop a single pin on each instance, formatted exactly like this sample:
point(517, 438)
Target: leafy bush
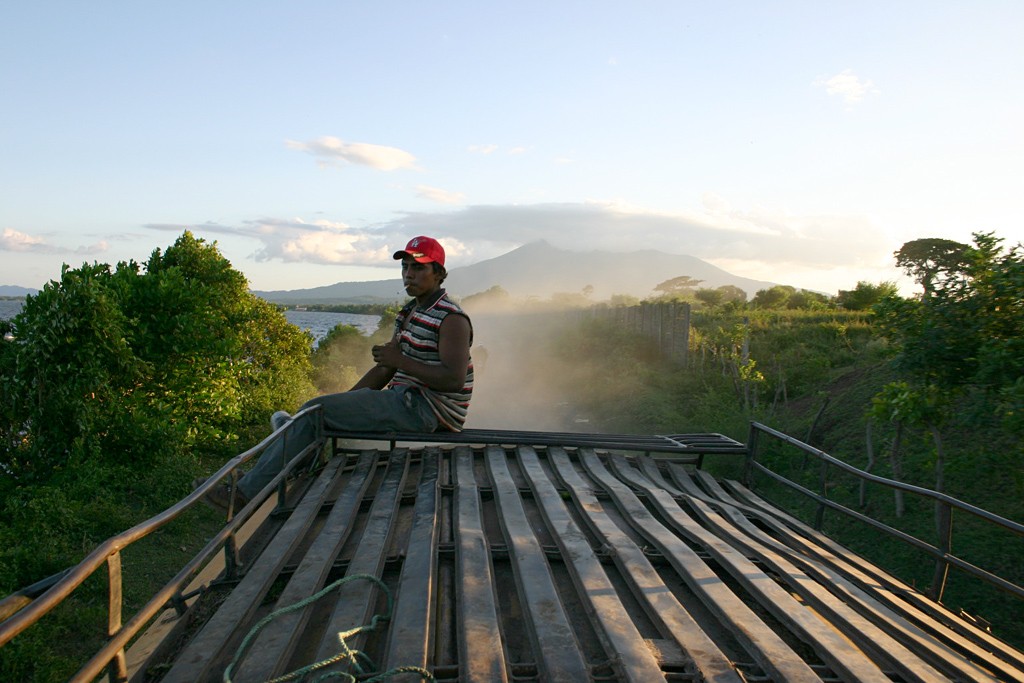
point(341, 358)
point(865, 295)
point(116, 381)
point(119, 383)
point(343, 355)
point(132, 366)
point(832, 365)
point(66, 518)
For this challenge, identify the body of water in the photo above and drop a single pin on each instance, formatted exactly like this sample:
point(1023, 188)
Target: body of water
point(319, 323)
point(9, 308)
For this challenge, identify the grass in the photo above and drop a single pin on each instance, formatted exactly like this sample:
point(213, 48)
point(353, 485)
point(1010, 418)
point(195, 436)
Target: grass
point(78, 625)
point(832, 368)
point(982, 544)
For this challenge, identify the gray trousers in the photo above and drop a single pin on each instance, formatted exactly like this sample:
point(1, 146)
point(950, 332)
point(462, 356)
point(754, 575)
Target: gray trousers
point(400, 408)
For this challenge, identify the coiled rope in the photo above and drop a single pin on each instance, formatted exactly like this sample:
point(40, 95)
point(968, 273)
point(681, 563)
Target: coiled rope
point(353, 657)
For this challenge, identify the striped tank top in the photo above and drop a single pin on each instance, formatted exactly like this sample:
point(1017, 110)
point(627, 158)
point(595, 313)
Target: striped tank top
point(417, 331)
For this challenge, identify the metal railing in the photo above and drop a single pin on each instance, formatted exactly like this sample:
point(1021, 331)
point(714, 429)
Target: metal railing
point(687, 447)
point(945, 506)
point(28, 606)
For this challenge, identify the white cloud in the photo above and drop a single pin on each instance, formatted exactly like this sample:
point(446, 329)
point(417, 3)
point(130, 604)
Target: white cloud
point(766, 238)
point(330, 150)
point(17, 241)
point(92, 249)
point(822, 252)
point(483, 149)
point(847, 85)
point(323, 242)
point(320, 242)
point(440, 196)
point(13, 240)
point(298, 241)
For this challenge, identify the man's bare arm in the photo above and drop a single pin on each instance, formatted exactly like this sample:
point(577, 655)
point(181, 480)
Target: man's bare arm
point(453, 348)
point(376, 377)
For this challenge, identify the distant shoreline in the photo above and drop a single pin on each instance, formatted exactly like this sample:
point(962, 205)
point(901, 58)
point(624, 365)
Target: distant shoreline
point(317, 322)
point(356, 309)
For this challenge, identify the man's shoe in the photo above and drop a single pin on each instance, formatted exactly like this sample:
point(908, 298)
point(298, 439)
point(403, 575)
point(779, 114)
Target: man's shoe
point(220, 497)
point(279, 419)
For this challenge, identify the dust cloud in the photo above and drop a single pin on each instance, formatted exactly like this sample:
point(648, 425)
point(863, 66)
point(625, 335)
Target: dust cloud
point(520, 378)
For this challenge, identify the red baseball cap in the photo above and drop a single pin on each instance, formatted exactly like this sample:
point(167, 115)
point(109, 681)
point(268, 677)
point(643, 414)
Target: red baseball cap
point(423, 250)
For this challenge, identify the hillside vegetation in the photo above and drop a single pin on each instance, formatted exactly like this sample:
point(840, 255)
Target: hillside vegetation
point(828, 403)
point(927, 391)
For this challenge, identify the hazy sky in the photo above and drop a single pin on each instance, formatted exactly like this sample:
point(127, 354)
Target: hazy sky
point(797, 142)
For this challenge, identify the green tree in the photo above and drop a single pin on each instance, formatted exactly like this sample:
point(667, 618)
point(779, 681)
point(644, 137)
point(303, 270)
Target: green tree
point(962, 339)
point(926, 408)
point(340, 359)
point(774, 297)
point(710, 297)
point(929, 258)
point(807, 300)
point(677, 287)
point(223, 356)
point(130, 364)
point(865, 295)
point(732, 294)
point(344, 354)
point(69, 373)
point(623, 300)
point(495, 298)
point(967, 328)
point(8, 426)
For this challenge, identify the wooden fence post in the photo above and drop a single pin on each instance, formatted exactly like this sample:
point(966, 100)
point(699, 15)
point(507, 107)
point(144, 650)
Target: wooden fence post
point(681, 334)
point(667, 324)
point(659, 320)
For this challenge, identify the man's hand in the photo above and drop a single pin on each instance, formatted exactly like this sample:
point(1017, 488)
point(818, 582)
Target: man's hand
point(452, 347)
point(387, 355)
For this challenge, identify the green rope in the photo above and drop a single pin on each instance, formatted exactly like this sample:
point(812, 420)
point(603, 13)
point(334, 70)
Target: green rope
point(346, 654)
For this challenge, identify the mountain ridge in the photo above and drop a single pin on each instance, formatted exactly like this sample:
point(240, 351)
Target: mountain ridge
point(538, 269)
point(15, 291)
